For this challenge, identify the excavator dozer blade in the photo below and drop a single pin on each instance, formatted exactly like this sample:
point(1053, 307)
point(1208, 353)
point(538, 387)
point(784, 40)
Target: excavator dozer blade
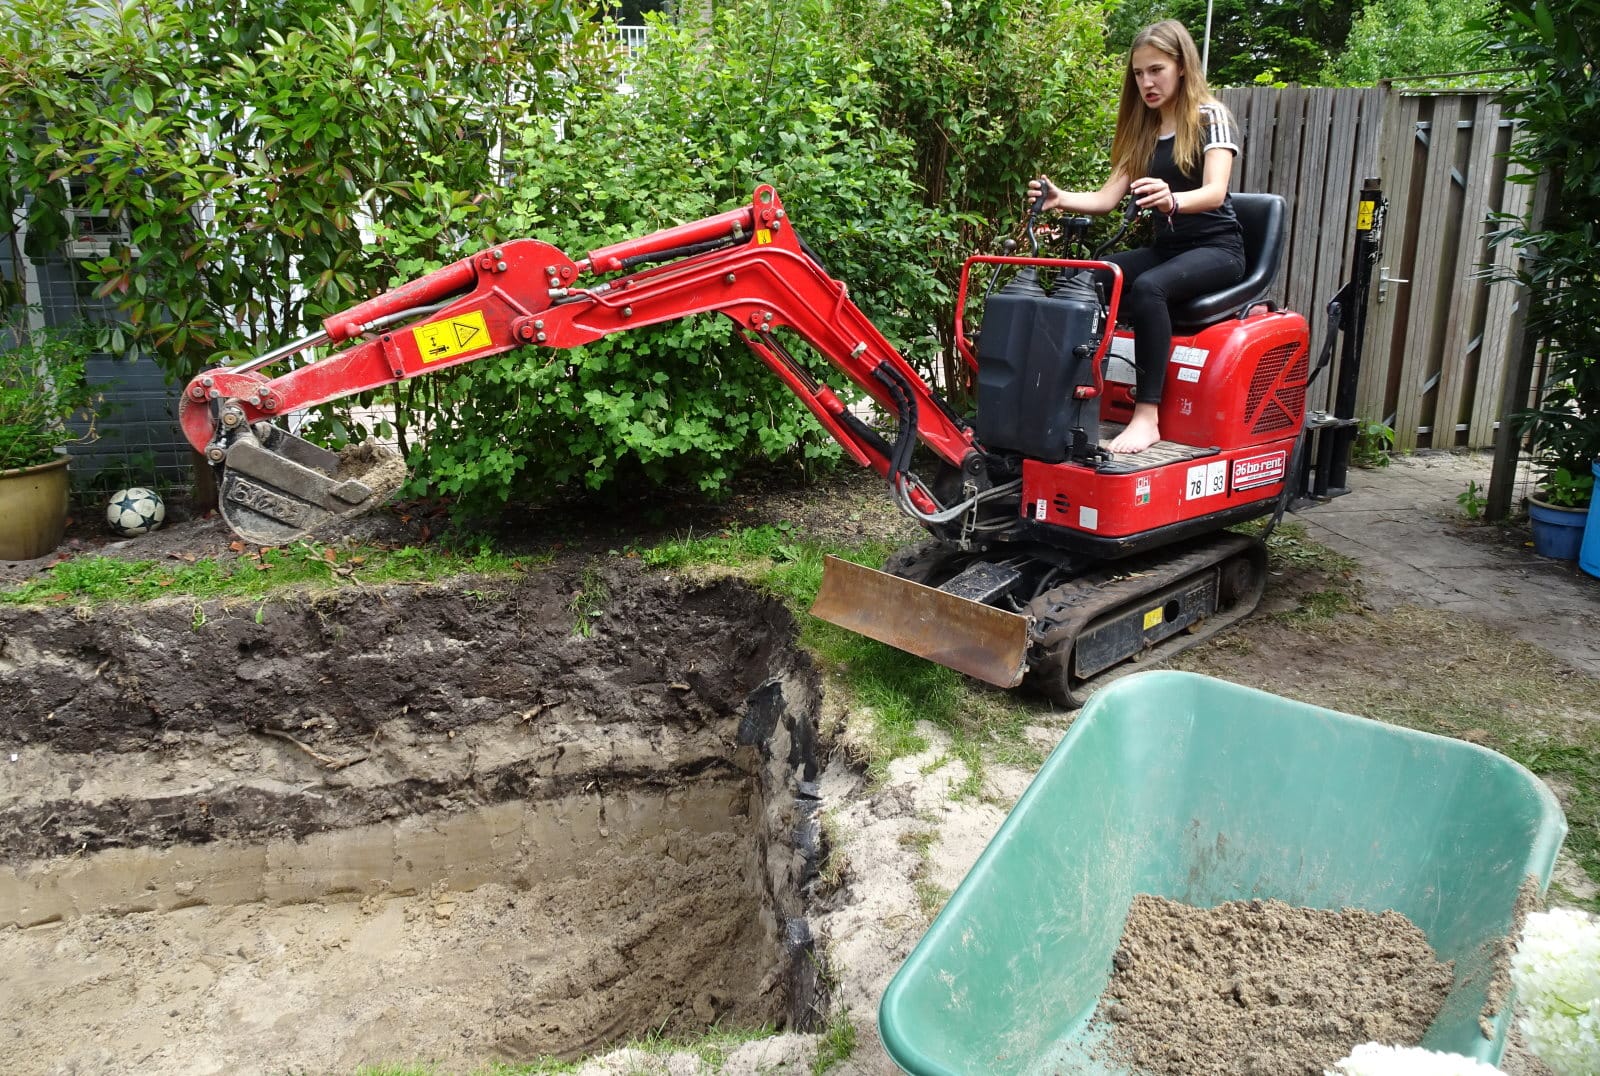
point(958, 633)
point(277, 487)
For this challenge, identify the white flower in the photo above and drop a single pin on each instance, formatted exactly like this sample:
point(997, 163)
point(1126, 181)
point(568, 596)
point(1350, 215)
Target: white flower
point(1556, 970)
point(1375, 1059)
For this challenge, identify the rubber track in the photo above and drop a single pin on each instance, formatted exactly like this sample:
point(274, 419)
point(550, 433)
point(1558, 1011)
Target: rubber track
point(1062, 614)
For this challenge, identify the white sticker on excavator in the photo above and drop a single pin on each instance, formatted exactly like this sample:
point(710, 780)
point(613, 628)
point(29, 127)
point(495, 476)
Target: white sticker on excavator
point(1039, 509)
point(1088, 518)
point(1188, 374)
point(1189, 356)
point(1119, 361)
point(1205, 480)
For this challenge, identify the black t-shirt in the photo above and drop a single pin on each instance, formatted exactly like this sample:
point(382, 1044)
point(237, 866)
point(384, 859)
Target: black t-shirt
point(1215, 227)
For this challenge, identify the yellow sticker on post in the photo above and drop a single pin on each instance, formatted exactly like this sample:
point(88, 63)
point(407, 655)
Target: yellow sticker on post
point(456, 335)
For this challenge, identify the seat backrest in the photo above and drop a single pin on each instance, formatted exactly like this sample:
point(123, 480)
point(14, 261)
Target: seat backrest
point(1263, 219)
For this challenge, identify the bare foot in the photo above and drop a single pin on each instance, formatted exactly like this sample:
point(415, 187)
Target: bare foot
point(1140, 433)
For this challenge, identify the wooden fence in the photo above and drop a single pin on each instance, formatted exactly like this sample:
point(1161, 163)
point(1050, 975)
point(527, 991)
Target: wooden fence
point(1439, 330)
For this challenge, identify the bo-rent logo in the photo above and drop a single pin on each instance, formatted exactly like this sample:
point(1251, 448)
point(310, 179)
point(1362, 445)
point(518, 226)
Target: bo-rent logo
point(1259, 470)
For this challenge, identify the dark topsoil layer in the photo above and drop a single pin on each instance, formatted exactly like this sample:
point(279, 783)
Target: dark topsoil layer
point(334, 666)
point(328, 672)
point(332, 672)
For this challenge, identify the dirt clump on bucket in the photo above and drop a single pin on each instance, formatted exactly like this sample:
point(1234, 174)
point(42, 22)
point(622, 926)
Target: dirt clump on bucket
point(380, 468)
point(1263, 987)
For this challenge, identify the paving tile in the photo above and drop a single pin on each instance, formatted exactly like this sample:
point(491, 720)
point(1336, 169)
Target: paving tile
point(1398, 522)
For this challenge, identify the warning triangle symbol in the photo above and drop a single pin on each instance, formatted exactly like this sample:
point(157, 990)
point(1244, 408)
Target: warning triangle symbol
point(465, 331)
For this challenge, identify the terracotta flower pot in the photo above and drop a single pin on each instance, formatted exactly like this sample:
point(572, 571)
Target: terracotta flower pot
point(33, 510)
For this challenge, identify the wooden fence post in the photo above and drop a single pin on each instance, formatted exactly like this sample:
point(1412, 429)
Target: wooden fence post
point(1518, 383)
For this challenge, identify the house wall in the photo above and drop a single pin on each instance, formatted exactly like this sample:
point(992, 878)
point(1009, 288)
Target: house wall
point(138, 438)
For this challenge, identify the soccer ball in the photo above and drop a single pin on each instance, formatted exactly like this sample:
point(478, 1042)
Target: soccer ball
point(135, 511)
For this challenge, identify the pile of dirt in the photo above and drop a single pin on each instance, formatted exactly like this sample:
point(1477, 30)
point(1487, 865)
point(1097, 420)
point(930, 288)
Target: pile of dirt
point(1263, 988)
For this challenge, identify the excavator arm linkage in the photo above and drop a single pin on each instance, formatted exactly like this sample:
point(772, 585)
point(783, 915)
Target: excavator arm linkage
point(747, 264)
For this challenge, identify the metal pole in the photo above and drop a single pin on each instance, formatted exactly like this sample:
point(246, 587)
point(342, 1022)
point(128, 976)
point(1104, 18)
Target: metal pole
point(1205, 55)
point(1370, 216)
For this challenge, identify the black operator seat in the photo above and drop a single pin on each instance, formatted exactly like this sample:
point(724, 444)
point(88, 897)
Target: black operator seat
point(1262, 217)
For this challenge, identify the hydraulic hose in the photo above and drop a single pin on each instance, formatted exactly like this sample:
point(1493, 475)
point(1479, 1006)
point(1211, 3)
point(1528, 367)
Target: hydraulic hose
point(906, 409)
point(948, 515)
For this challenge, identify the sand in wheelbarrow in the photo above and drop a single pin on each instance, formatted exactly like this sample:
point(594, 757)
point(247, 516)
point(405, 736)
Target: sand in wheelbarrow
point(1264, 988)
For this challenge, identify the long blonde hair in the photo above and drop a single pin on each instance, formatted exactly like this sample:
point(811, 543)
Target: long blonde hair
point(1138, 126)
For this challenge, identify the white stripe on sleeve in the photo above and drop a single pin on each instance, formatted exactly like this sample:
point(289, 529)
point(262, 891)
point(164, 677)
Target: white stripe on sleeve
point(1219, 129)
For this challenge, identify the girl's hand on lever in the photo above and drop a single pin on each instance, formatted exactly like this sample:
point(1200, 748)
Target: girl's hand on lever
point(1153, 193)
point(1052, 194)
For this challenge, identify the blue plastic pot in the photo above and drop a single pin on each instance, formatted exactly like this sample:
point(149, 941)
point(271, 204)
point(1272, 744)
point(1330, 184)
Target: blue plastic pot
point(1557, 532)
point(1589, 554)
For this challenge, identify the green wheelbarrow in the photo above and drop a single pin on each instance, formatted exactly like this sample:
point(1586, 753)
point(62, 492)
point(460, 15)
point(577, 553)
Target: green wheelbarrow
point(1202, 791)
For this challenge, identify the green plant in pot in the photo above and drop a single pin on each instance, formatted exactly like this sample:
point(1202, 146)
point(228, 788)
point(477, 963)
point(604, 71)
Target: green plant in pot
point(1565, 433)
point(42, 389)
point(1563, 489)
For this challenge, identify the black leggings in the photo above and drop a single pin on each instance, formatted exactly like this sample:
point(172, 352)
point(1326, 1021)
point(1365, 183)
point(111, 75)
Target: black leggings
point(1150, 281)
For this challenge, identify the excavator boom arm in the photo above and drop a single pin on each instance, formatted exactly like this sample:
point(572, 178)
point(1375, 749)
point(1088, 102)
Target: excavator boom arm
point(747, 264)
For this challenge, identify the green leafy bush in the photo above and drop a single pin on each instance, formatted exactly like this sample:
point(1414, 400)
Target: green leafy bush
point(42, 388)
point(715, 111)
point(900, 138)
point(1556, 47)
point(245, 143)
point(1406, 38)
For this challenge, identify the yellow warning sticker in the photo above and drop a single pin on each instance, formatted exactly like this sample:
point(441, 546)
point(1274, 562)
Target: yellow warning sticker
point(1153, 618)
point(763, 236)
point(454, 336)
point(1364, 216)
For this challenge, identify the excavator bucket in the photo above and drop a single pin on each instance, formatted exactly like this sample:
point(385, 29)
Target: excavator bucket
point(958, 633)
point(277, 487)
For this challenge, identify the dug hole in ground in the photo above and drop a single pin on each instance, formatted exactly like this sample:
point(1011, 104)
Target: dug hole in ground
point(437, 825)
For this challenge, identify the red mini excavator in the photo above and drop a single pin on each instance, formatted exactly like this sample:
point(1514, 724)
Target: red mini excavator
point(1048, 557)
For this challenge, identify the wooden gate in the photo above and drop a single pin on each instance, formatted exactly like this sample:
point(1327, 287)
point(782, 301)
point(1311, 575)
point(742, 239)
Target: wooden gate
point(1438, 328)
point(1440, 318)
